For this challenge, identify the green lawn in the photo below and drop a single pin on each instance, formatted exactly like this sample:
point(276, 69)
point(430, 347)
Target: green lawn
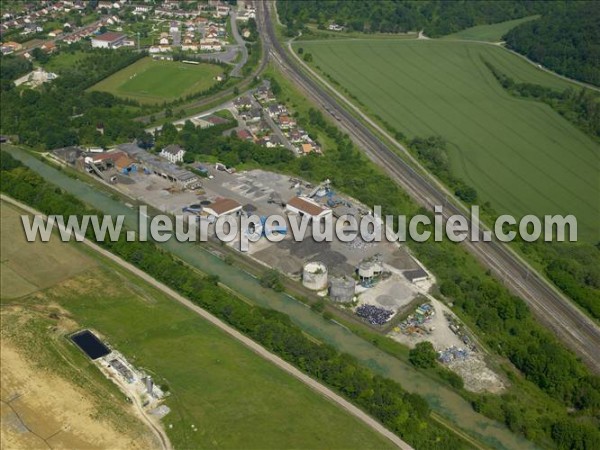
point(490, 33)
point(63, 61)
point(150, 81)
point(235, 398)
point(521, 155)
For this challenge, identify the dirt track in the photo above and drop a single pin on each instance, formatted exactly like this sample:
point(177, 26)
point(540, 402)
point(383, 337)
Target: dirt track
point(287, 367)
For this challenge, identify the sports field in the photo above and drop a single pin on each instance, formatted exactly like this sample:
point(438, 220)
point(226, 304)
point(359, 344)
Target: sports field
point(520, 155)
point(490, 33)
point(149, 81)
point(235, 398)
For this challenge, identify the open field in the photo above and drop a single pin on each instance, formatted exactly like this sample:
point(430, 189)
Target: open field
point(54, 262)
point(491, 33)
point(149, 81)
point(520, 155)
point(234, 398)
point(63, 61)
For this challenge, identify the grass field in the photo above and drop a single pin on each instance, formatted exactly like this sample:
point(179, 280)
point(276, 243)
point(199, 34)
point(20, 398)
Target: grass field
point(235, 398)
point(54, 262)
point(520, 155)
point(63, 61)
point(149, 81)
point(490, 33)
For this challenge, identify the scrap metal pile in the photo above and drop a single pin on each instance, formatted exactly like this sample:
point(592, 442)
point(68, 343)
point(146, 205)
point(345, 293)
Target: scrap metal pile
point(373, 314)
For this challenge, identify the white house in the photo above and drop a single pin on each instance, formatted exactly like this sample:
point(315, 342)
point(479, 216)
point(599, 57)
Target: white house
point(174, 153)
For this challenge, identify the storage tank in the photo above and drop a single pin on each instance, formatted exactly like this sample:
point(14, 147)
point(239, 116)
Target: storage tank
point(367, 270)
point(314, 276)
point(342, 289)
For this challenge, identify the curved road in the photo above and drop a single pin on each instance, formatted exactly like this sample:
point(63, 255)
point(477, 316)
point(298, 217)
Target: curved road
point(550, 306)
point(255, 347)
point(241, 43)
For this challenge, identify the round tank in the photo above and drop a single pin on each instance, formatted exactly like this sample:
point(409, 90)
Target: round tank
point(342, 289)
point(368, 269)
point(314, 276)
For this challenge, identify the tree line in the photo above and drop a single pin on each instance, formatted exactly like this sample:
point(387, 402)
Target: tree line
point(579, 106)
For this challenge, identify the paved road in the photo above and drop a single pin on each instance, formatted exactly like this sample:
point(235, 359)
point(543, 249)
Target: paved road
point(550, 306)
point(237, 70)
point(258, 349)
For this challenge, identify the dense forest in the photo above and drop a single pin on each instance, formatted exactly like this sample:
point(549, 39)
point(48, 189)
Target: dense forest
point(406, 414)
point(435, 17)
point(566, 40)
point(62, 113)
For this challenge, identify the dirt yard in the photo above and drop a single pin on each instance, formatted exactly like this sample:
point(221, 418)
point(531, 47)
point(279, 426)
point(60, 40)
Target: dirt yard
point(474, 371)
point(40, 409)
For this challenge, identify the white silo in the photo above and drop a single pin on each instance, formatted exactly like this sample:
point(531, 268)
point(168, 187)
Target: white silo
point(149, 385)
point(314, 276)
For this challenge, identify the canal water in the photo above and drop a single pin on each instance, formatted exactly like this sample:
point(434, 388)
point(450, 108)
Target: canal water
point(442, 399)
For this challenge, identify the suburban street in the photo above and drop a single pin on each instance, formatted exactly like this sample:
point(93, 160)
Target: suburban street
point(237, 70)
point(550, 306)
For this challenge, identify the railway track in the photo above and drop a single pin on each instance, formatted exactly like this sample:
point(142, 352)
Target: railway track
point(551, 308)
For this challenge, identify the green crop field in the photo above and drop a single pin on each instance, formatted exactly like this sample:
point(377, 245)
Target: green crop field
point(520, 155)
point(235, 398)
point(149, 81)
point(491, 33)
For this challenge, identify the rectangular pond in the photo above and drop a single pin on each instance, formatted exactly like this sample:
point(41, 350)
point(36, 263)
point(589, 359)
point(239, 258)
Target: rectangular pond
point(90, 344)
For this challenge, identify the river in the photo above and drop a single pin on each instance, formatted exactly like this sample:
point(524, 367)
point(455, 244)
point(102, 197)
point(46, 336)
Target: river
point(442, 400)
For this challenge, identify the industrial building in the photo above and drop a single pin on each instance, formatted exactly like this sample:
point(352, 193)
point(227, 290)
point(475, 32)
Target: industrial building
point(108, 40)
point(305, 206)
point(416, 275)
point(222, 207)
point(368, 270)
point(122, 370)
point(173, 153)
point(154, 165)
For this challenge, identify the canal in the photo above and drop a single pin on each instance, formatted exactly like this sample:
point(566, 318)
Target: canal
point(443, 400)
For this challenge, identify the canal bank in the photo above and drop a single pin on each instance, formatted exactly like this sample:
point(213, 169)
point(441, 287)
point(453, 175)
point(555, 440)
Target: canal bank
point(443, 401)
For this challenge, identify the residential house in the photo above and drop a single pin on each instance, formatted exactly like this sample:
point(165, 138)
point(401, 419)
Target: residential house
point(243, 102)
point(252, 115)
point(286, 122)
point(48, 47)
point(244, 135)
